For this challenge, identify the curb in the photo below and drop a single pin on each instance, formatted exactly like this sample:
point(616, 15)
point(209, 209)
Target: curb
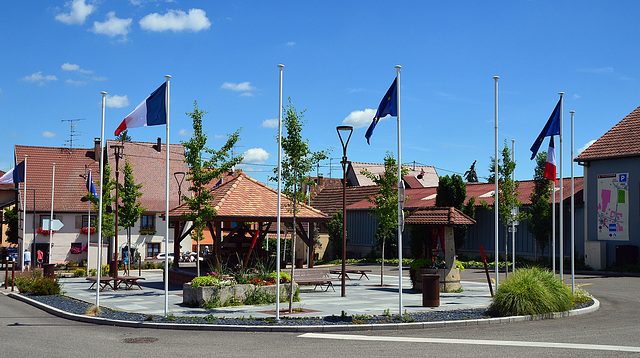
point(300, 329)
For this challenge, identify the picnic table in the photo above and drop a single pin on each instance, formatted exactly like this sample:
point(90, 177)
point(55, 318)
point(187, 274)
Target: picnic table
point(104, 282)
point(362, 273)
point(128, 281)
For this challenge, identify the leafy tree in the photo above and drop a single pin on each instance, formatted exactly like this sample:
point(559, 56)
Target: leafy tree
point(507, 193)
point(124, 136)
point(297, 162)
point(452, 192)
point(11, 218)
point(202, 171)
point(108, 224)
point(130, 210)
point(540, 222)
point(470, 175)
point(335, 234)
point(385, 205)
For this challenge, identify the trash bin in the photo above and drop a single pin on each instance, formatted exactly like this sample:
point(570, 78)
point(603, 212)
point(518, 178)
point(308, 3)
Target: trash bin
point(113, 268)
point(430, 290)
point(48, 270)
point(299, 263)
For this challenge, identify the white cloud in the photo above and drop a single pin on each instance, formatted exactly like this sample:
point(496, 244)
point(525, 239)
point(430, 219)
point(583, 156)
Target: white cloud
point(39, 78)
point(112, 26)
point(359, 119)
point(76, 83)
point(184, 133)
point(15, 134)
point(78, 14)
point(219, 136)
point(73, 67)
point(270, 123)
point(116, 101)
point(596, 70)
point(246, 94)
point(291, 43)
point(176, 20)
point(584, 147)
point(238, 87)
point(576, 96)
point(255, 156)
point(47, 134)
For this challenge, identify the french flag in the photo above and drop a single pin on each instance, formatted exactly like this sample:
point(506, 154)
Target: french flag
point(550, 165)
point(15, 175)
point(151, 112)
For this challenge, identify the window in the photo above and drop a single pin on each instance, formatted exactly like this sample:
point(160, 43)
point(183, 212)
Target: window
point(147, 222)
point(153, 249)
point(93, 221)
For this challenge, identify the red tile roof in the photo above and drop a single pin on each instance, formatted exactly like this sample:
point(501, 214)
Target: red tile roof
point(71, 166)
point(480, 191)
point(149, 170)
point(244, 197)
point(329, 200)
point(620, 141)
point(438, 216)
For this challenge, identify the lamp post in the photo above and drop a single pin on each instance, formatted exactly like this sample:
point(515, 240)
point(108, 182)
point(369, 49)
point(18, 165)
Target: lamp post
point(344, 163)
point(179, 179)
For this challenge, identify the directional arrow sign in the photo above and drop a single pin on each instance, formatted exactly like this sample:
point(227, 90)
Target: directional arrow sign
point(55, 224)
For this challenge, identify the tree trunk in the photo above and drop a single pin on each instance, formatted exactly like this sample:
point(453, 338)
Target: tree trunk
point(293, 255)
point(384, 239)
point(506, 252)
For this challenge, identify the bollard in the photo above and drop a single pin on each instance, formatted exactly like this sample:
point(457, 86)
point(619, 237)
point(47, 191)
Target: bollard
point(430, 290)
point(48, 271)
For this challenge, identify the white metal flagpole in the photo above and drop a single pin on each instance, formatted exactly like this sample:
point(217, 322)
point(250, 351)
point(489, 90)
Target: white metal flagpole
point(400, 193)
point(573, 217)
point(99, 263)
point(513, 212)
point(89, 225)
point(166, 221)
point(561, 243)
point(280, 67)
point(53, 186)
point(495, 178)
point(553, 227)
point(24, 217)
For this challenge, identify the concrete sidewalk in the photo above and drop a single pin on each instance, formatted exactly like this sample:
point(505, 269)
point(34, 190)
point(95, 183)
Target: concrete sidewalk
point(362, 297)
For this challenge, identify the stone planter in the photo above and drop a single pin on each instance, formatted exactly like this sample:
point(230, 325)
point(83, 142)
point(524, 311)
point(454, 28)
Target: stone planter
point(197, 297)
point(449, 278)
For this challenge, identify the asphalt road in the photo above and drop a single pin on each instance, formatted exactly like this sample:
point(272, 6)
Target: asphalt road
point(28, 332)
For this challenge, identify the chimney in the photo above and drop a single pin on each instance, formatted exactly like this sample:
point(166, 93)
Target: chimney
point(96, 149)
point(159, 145)
point(320, 183)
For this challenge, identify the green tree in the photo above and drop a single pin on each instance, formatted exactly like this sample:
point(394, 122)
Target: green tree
point(334, 226)
point(452, 192)
point(124, 136)
point(385, 205)
point(130, 210)
point(297, 162)
point(470, 175)
point(11, 218)
point(108, 224)
point(202, 171)
point(507, 193)
point(540, 222)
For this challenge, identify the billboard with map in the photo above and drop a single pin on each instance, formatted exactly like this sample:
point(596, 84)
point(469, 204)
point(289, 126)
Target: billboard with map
point(613, 206)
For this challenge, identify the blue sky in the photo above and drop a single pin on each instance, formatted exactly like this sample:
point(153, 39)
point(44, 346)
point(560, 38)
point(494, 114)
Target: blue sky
point(339, 58)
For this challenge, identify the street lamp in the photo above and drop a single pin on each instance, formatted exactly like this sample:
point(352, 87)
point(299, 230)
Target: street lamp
point(179, 179)
point(344, 163)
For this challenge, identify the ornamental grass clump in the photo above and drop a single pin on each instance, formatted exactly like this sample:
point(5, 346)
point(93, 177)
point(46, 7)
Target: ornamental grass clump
point(531, 291)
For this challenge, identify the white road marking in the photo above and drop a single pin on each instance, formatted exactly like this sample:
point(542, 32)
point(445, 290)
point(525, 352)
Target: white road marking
point(355, 337)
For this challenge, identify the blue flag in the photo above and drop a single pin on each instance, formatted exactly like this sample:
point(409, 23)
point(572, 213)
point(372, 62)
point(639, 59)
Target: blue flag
point(90, 187)
point(15, 175)
point(550, 129)
point(388, 106)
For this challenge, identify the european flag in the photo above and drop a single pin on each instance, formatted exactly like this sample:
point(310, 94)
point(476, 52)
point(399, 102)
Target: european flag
point(388, 106)
point(90, 187)
point(550, 129)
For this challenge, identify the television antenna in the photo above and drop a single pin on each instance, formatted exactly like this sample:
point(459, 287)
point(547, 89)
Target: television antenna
point(72, 132)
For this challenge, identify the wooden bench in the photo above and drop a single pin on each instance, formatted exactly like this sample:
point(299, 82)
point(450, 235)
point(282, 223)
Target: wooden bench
point(129, 281)
point(104, 282)
point(313, 276)
point(362, 273)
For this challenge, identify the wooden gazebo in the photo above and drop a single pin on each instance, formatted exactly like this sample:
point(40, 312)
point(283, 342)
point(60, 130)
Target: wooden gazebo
point(246, 211)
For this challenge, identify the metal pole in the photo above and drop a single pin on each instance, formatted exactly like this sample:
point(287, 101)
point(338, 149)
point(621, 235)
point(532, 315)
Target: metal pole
point(99, 270)
point(344, 163)
point(495, 197)
point(400, 199)
point(24, 215)
point(573, 217)
point(278, 228)
point(513, 210)
point(53, 186)
point(561, 197)
point(166, 221)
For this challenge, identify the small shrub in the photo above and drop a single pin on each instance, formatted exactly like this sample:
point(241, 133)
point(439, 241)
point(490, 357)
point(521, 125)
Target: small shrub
point(35, 284)
point(79, 272)
point(581, 297)
point(531, 291)
point(259, 297)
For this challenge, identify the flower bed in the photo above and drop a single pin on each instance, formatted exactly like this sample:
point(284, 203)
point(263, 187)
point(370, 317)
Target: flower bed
point(229, 295)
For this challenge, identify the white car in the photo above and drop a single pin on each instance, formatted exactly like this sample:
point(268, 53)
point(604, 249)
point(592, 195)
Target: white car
point(161, 257)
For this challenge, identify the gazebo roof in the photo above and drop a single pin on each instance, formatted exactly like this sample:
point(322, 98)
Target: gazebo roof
point(432, 215)
point(245, 199)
